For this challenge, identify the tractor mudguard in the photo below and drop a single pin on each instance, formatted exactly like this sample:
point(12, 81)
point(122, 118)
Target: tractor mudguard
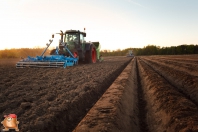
point(97, 45)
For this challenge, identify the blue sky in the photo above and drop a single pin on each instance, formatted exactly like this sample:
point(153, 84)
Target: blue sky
point(117, 24)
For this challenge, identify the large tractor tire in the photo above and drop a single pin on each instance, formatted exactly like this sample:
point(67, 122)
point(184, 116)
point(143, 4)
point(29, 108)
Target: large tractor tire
point(90, 56)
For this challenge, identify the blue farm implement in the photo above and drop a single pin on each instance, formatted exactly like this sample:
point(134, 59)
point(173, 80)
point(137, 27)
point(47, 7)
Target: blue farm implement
point(47, 61)
point(72, 49)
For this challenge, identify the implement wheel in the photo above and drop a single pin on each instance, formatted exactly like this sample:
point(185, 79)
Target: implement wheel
point(90, 56)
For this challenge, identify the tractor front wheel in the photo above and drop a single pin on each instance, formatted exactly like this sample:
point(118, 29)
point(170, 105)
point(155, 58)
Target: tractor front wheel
point(90, 56)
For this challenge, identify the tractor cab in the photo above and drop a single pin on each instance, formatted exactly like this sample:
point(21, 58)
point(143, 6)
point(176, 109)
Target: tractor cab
point(74, 36)
point(74, 40)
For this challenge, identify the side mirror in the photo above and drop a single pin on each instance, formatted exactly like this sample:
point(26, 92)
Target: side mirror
point(52, 35)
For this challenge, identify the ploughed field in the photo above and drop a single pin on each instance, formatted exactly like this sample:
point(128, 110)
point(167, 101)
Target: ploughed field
point(50, 99)
point(145, 94)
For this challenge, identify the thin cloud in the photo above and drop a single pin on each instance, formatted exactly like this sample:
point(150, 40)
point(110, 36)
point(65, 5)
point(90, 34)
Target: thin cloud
point(135, 3)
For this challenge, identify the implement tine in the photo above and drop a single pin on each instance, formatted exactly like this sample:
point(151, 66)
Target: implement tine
point(39, 64)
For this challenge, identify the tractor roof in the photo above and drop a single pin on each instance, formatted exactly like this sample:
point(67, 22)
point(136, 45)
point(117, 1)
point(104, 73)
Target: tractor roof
point(76, 31)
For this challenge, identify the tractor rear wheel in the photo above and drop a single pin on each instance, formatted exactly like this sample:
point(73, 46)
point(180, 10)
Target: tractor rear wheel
point(90, 56)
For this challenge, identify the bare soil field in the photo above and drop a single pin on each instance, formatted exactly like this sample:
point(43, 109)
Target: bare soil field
point(54, 99)
point(152, 94)
point(121, 94)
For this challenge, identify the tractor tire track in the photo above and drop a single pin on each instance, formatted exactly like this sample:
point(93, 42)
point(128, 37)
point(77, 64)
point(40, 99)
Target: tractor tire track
point(141, 101)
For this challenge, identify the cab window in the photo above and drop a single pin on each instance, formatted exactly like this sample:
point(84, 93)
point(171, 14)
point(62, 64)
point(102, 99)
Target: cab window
point(81, 39)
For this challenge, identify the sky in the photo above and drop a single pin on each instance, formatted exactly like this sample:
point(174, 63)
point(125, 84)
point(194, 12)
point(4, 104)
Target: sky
point(116, 24)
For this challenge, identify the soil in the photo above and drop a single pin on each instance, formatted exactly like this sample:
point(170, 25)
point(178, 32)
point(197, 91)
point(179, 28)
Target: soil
point(158, 94)
point(145, 94)
point(49, 99)
point(170, 106)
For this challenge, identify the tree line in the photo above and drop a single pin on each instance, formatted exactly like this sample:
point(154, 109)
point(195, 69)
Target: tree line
point(155, 50)
point(147, 50)
point(23, 52)
point(173, 50)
